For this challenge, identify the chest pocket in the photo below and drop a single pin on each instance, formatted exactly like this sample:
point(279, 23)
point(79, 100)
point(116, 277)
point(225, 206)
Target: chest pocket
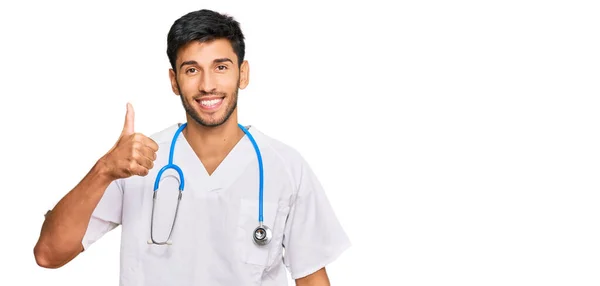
point(274, 217)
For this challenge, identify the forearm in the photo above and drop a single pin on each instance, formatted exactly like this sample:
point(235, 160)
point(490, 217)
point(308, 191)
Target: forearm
point(65, 226)
point(318, 278)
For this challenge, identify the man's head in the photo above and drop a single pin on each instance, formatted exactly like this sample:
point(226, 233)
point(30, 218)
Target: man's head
point(206, 51)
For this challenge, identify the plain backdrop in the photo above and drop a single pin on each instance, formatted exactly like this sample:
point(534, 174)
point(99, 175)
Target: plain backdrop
point(458, 141)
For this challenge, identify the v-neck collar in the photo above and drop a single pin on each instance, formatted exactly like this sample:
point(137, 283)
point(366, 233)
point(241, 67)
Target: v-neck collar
point(231, 167)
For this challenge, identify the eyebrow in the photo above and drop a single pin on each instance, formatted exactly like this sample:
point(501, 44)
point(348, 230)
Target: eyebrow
point(222, 60)
point(216, 61)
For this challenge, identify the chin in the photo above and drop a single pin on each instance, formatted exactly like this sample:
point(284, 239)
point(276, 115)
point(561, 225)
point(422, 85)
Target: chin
point(213, 119)
point(210, 111)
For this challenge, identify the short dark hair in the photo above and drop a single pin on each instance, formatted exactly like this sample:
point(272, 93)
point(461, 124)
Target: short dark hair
point(204, 26)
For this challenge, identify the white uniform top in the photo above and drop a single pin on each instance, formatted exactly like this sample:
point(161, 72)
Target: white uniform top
point(212, 238)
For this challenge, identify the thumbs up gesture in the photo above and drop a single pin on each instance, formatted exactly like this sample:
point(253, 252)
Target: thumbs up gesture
point(133, 154)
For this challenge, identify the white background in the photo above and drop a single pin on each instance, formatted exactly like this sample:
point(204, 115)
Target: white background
point(458, 141)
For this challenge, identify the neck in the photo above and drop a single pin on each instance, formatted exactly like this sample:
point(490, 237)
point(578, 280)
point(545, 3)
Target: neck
point(211, 142)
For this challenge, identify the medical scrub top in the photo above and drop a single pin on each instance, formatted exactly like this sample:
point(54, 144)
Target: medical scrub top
point(212, 239)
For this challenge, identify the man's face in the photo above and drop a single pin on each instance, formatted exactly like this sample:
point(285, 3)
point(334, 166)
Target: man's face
point(208, 79)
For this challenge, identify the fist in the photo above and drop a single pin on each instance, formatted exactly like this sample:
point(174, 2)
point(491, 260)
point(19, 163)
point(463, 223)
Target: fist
point(133, 154)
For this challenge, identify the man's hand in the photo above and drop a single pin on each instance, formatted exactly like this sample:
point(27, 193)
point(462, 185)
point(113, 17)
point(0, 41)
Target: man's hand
point(133, 154)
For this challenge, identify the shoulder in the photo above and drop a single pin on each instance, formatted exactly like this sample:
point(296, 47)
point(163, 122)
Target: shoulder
point(282, 149)
point(286, 153)
point(282, 155)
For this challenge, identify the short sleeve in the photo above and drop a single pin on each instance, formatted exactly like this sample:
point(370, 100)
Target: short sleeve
point(106, 215)
point(313, 236)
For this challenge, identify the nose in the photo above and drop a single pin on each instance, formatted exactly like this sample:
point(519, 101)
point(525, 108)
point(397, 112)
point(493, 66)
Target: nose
point(207, 83)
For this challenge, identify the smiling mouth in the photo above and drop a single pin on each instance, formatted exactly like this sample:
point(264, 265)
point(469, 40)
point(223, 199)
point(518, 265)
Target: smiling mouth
point(210, 103)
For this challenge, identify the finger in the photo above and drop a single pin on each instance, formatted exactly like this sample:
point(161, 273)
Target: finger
point(141, 171)
point(146, 152)
point(145, 140)
point(141, 143)
point(150, 143)
point(129, 118)
point(136, 169)
point(144, 161)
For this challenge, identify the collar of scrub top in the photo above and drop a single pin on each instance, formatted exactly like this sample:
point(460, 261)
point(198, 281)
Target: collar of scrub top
point(262, 234)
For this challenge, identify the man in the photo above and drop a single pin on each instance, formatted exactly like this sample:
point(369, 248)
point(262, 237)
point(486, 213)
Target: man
point(214, 233)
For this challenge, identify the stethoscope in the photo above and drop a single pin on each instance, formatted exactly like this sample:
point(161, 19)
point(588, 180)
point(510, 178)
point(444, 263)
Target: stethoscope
point(261, 235)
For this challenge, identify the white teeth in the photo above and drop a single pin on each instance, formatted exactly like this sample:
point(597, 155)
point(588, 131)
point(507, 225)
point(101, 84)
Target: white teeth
point(210, 103)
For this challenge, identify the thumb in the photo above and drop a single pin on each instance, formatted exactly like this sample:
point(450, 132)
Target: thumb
point(129, 118)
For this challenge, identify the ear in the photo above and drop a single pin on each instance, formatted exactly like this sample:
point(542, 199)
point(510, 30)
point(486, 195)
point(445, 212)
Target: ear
point(174, 85)
point(244, 74)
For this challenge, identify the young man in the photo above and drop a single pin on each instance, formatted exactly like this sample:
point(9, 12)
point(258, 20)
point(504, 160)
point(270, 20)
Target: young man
point(233, 206)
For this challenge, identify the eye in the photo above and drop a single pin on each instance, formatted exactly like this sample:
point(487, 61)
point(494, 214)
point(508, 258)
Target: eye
point(190, 70)
point(221, 68)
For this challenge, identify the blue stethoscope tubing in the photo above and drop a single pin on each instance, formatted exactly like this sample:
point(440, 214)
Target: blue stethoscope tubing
point(262, 234)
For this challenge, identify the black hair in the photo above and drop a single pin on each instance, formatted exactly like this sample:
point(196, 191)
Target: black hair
point(204, 26)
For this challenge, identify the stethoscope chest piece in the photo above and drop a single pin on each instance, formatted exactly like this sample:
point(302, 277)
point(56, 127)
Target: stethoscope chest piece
point(262, 235)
